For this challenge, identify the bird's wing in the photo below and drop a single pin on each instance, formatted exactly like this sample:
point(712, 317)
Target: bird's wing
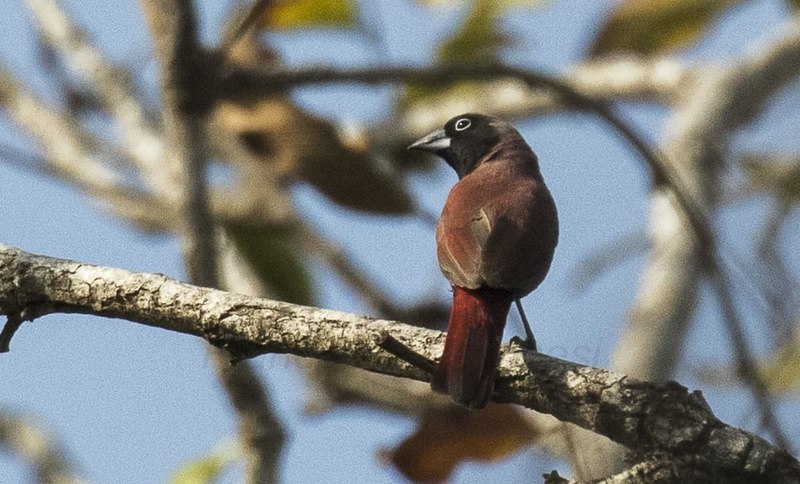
point(517, 253)
point(459, 242)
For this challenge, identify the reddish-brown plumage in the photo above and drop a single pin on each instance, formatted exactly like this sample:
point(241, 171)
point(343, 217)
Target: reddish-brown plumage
point(495, 242)
point(467, 368)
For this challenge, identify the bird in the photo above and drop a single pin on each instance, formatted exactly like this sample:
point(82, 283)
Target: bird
point(495, 241)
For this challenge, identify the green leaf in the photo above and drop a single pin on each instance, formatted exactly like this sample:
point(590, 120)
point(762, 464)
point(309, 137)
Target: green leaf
point(782, 373)
point(275, 256)
point(295, 14)
point(509, 4)
point(502, 4)
point(207, 469)
point(479, 39)
point(652, 27)
point(448, 92)
point(794, 4)
point(778, 175)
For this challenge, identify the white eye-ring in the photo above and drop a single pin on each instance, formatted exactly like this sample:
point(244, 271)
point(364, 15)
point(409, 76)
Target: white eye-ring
point(463, 124)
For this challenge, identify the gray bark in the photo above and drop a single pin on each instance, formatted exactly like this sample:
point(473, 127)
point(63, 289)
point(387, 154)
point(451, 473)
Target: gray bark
point(657, 421)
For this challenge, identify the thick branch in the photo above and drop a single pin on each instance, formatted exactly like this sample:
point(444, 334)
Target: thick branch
point(645, 417)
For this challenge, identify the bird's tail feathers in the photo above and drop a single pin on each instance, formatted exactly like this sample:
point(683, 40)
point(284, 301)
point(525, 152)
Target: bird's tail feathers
point(468, 365)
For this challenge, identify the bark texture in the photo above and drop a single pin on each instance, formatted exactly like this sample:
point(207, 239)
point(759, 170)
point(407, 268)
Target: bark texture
point(661, 423)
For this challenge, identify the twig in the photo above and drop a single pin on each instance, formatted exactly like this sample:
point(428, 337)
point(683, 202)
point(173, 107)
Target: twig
point(745, 362)
point(781, 294)
point(394, 346)
point(256, 12)
point(604, 258)
point(13, 322)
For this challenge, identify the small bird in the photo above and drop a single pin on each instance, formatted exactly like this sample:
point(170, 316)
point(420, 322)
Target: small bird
point(495, 241)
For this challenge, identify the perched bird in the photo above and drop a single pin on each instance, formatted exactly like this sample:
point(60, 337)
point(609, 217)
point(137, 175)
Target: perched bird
point(495, 241)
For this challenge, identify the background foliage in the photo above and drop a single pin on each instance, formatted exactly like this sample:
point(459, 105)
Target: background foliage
point(318, 203)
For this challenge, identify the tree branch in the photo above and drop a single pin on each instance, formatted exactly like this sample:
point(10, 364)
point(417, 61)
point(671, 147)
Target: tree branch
point(185, 107)
point(113, 87)
point(650, 418)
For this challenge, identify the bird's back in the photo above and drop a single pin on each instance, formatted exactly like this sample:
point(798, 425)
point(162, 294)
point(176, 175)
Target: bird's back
point(499, 227)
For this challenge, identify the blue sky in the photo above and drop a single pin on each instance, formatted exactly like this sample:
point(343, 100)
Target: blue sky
point(132, 403)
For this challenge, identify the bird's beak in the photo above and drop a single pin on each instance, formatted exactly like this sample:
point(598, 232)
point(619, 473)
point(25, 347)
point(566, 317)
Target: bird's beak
point(433, 142)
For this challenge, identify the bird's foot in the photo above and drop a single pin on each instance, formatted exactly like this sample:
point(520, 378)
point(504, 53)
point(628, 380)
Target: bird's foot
point(527, 343)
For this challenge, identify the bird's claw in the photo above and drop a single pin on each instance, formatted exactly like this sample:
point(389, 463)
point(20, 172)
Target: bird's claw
point(528, 343)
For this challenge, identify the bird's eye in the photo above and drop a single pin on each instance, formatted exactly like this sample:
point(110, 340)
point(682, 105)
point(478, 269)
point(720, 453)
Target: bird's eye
point(463, 124)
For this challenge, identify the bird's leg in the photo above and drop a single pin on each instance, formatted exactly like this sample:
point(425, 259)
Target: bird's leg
point(530, 341)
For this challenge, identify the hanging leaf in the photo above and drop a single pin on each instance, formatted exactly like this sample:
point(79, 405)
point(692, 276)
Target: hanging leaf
point(295, 14)
point(275, 256)
point(655, 26)
point(207, 469)
point(448, 437)
point(304, 147)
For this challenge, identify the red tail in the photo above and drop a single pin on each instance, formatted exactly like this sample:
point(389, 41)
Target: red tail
point(468, 365)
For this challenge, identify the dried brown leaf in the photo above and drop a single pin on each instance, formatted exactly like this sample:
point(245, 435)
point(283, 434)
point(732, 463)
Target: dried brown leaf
point(447, 437)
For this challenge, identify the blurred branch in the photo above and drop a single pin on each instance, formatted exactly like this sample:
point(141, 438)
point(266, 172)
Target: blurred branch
point(69, 154)
point(633, 78)
point(698, 137)
point(612, 79)
point(66, 144)
point(114, 89)
point(628, 78)
point(143, 209)
point(128, 203)
point(260, 432)
point(655, 420)
point(256, 12)
point(241, 84)
point(185, 107)
point(37, 448)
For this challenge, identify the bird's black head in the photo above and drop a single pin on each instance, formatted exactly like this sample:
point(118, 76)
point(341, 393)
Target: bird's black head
point(465, 140)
